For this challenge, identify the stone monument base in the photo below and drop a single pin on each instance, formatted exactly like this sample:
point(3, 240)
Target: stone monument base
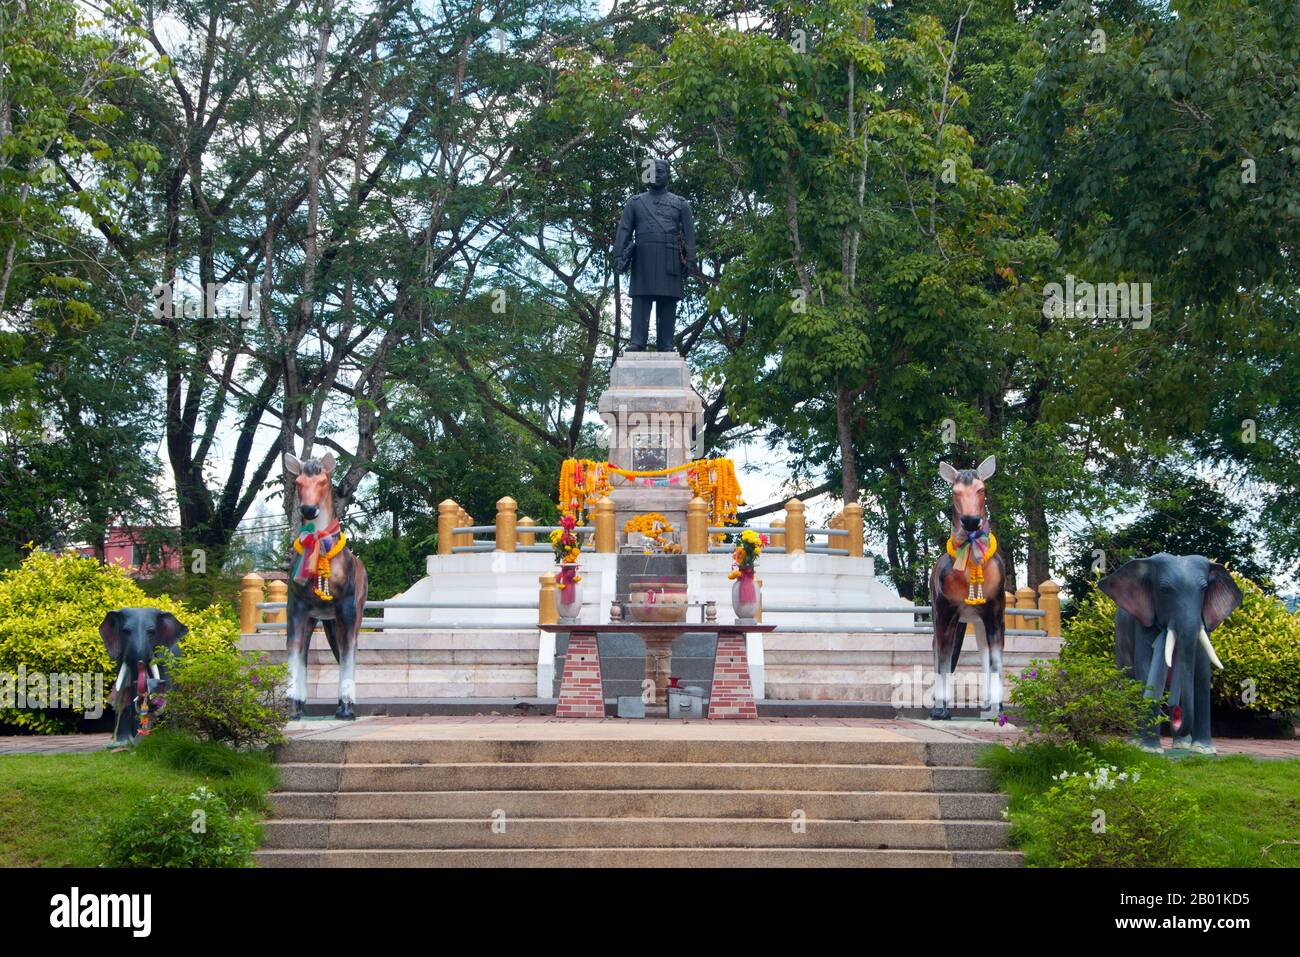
point(656, 422)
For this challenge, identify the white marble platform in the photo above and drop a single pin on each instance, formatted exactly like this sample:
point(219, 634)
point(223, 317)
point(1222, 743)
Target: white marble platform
point(838, 661)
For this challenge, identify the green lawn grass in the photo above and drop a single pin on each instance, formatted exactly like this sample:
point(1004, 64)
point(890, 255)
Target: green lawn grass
point(1251, 805)
point(52, 805)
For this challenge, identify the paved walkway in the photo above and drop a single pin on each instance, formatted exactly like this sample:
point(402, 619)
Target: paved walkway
point(53, 743)
point(546, 727)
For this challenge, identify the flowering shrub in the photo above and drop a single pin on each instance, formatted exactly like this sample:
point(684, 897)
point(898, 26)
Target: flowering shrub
point(180, 830)
point(1081, 701)
point(1106, 816)
point(232, 697)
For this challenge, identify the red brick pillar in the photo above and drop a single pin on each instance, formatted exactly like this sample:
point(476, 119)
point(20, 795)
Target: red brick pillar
point(732, 694)
point(581, 692)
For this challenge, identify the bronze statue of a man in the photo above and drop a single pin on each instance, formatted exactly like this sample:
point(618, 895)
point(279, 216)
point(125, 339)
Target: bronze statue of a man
point(656, 240)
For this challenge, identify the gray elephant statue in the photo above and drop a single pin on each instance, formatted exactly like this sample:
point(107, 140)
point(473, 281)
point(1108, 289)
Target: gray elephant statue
point(131, 636)
point(1167, 607)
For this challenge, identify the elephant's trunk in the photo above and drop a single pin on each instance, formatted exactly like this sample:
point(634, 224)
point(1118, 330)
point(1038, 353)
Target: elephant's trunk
point(1181, 652)
point(1164, 673)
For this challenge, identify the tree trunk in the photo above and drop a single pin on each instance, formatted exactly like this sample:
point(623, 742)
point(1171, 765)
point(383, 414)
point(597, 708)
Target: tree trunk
point(844, 429)
point(1038, 569)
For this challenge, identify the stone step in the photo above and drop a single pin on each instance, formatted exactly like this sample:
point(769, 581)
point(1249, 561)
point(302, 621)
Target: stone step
point(568, 832)
point(522, 685)
point(658, 803)
point(883, 662)
point(630, 775)
point(730, 751)
point(273, 642)
point(731, 857)
point(781, 689)
point(414, 673)
point(486, 658)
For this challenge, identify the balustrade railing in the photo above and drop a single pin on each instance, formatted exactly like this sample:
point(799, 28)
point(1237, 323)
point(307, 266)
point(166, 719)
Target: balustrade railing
point(263, 608)
point(458, 533)
point(788, 534)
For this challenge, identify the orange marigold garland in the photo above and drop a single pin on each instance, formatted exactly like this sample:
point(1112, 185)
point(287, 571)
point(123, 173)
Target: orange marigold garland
point(714, 480)
point(583, 481)
point(654, 527)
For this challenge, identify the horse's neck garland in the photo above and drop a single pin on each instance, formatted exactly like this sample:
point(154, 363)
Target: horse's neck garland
point(315, 549)
point(978, 547)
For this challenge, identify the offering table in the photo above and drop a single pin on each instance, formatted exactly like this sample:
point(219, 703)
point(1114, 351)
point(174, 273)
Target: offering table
point(731, 693)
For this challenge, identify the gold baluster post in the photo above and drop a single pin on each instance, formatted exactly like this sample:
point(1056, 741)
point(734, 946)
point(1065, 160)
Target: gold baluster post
point(507, 510)
point(250, 595)
point(448, 513)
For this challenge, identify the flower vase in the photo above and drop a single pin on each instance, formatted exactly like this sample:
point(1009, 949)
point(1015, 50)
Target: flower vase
point(568, 602)
point(745, 597)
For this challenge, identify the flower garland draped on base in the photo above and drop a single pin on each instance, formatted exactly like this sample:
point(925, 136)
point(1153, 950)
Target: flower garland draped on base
point(583, 481)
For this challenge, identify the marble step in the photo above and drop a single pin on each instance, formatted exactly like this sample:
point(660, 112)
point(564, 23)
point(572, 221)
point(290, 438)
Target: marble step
point(722, 750)
point(695, 857)
point(520, 832)
point(633, 775)
point(660, 803)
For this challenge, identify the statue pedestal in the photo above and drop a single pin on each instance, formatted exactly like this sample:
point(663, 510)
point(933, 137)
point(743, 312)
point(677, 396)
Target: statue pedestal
point(656, 421)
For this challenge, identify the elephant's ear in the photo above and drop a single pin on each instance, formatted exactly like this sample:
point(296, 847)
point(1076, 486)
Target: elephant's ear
point(1221, 596)
point(169, 631)
point(1131, 589)
point(110, 630)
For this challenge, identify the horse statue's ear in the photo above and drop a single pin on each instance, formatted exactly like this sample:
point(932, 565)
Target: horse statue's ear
point(291, 464)
point(986, 468)
point(327, 462)
point(948, 472)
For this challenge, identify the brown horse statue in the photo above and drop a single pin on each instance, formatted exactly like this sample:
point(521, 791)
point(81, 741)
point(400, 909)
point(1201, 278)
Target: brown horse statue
point(967, 586)
point(327, 584)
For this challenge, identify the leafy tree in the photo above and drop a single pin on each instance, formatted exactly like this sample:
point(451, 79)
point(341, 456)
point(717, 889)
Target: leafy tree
point(1171, 154)
point(1184, 515)
point(885, 271)
point(74, 419)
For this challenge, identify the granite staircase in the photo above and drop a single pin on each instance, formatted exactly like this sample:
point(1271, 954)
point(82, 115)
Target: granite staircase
point(635, 803)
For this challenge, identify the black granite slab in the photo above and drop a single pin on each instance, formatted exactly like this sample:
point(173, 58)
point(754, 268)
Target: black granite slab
point(632, 565)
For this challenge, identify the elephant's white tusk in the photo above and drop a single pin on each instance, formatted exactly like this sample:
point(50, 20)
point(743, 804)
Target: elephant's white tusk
point(153, 670)
point(121, 678)
point(1170, 640)
point(1209, 650)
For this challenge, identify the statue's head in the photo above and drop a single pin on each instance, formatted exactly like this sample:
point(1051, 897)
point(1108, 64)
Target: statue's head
point(661, 173)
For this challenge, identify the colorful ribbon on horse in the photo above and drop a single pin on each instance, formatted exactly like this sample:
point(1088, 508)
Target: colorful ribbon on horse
point(315, 549)
point(977, 548)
